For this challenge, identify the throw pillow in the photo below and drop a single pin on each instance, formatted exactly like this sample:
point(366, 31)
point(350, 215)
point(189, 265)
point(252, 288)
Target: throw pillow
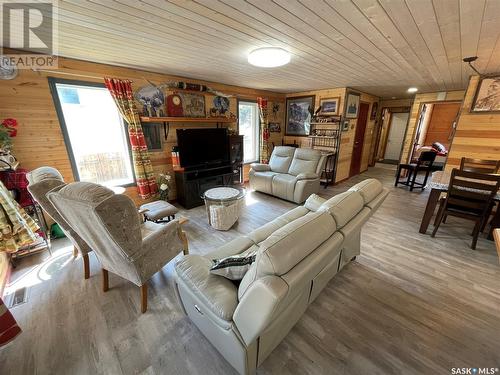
point(233, 267)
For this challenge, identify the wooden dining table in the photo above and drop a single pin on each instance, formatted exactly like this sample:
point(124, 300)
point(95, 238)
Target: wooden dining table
point(438, 184)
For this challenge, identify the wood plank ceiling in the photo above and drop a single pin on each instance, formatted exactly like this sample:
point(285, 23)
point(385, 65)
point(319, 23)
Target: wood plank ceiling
point(381, 47)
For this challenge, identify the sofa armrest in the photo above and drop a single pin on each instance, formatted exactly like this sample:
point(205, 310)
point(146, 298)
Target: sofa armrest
point(258, 167)
point(306, 176)
point(258, 305)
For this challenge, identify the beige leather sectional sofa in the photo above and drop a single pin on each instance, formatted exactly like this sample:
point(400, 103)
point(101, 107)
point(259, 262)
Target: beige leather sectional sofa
point(297, 254)
point(292, 173)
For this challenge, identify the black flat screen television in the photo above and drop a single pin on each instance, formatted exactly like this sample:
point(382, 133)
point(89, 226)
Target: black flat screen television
point(203, 148)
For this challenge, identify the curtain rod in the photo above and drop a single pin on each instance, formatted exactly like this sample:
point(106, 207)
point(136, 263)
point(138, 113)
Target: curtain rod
point(68, 74)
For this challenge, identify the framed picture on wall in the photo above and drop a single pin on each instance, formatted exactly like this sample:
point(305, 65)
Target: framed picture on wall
point(298, 115)
point(487, 98)
point(329, 106)
point(373, 115)
point(193, 105)
point(274, 127)
point(352, 105)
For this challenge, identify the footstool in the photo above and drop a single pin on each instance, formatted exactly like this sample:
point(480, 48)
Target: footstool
point(158, 211)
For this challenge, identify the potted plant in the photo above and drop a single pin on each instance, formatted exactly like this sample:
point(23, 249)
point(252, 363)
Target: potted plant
point(164, 180)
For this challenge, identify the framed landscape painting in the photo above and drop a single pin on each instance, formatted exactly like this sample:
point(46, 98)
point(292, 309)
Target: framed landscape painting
point(352, 105)
point(329, 106)
point(298, 115)
point(487, 97)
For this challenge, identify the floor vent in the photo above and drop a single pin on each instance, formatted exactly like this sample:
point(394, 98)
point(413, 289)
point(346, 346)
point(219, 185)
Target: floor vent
point(19, 297)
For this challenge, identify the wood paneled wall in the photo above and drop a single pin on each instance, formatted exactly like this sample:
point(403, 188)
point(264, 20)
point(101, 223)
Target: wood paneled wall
point(477, 134)
point(40, 142)
point(347, 139)
point(415, 111)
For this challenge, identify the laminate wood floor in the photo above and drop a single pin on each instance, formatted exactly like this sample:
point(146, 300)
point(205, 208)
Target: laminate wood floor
point(409, 304)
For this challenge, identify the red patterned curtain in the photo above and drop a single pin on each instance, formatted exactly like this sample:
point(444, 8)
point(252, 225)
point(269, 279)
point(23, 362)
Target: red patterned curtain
point(264, 130)
point(121, 91)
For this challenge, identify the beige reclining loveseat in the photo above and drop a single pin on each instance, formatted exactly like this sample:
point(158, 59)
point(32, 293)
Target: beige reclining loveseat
point(292, 173)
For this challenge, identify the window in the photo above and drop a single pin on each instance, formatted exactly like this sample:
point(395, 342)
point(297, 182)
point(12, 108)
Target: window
point(94, 132)
point(248, 115)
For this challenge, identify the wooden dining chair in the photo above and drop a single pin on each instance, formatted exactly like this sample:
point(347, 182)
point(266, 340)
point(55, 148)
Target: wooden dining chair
point(469, 196)
point(480, 165)
point(487, 166)
point(424, 163)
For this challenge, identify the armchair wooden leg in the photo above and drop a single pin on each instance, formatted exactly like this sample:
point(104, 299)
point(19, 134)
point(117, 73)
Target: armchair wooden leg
point(105, 280)
point(86, 266)
point(185, 244)
point(75, 252)
point(144, 298)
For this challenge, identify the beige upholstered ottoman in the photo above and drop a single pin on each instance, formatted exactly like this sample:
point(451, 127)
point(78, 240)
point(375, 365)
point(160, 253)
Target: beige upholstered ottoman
point(159, 211)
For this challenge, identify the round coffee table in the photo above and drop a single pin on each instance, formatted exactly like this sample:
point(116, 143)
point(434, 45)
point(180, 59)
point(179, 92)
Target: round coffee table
point(223, 205)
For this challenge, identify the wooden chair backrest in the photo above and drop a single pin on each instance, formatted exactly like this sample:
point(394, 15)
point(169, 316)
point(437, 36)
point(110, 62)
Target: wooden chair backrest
point(480, 165)
point(472, 191)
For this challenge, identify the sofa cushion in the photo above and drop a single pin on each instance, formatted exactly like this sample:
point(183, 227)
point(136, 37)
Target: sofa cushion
point(314, 202)
point(262, 181)
point(290, 244)
point(281, 158)
point(304, 161)
point(375, 203)
point(283, 186)
point(260, 234)
point(343, 207)
point(233, 247)
point(368, 189)
point(217, 293)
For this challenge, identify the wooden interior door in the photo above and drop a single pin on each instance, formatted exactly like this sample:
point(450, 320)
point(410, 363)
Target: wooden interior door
point(441, 123)
point(396, 136)
point(359, 139)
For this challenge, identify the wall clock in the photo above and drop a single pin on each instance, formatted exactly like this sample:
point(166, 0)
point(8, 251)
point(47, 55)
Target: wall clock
point(174, 105)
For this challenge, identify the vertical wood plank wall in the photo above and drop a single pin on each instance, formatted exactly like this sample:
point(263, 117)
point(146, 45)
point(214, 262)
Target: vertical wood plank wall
point(477, 134)
point(347, 140)
point(40, 142)
point(414, 112)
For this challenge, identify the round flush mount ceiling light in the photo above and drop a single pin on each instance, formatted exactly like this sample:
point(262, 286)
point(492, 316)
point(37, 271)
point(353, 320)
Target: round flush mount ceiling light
point(412, 90)
point(269, 57)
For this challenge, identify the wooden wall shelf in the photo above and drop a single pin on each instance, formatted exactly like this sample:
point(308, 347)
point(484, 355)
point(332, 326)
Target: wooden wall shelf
point(214, 120)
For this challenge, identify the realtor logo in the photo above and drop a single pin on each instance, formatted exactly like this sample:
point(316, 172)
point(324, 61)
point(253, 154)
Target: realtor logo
point(30, 27)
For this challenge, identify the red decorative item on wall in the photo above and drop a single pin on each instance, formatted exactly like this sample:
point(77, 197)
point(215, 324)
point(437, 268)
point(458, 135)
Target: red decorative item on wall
point(174, 105)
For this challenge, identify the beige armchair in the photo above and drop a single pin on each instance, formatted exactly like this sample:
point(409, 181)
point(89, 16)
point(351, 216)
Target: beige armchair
point(41, 181)
point(110, 224)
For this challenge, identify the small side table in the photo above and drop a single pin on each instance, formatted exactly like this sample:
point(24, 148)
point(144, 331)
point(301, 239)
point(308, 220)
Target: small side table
point(223, 205)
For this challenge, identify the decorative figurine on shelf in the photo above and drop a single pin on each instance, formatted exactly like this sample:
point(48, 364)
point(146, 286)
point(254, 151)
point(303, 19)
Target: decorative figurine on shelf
point(7, 132)
point(221, 104)
point(152, 100)
point(164, 180)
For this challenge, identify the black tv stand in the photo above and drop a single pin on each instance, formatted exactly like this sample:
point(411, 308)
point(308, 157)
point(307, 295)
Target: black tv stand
point(191, 183)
